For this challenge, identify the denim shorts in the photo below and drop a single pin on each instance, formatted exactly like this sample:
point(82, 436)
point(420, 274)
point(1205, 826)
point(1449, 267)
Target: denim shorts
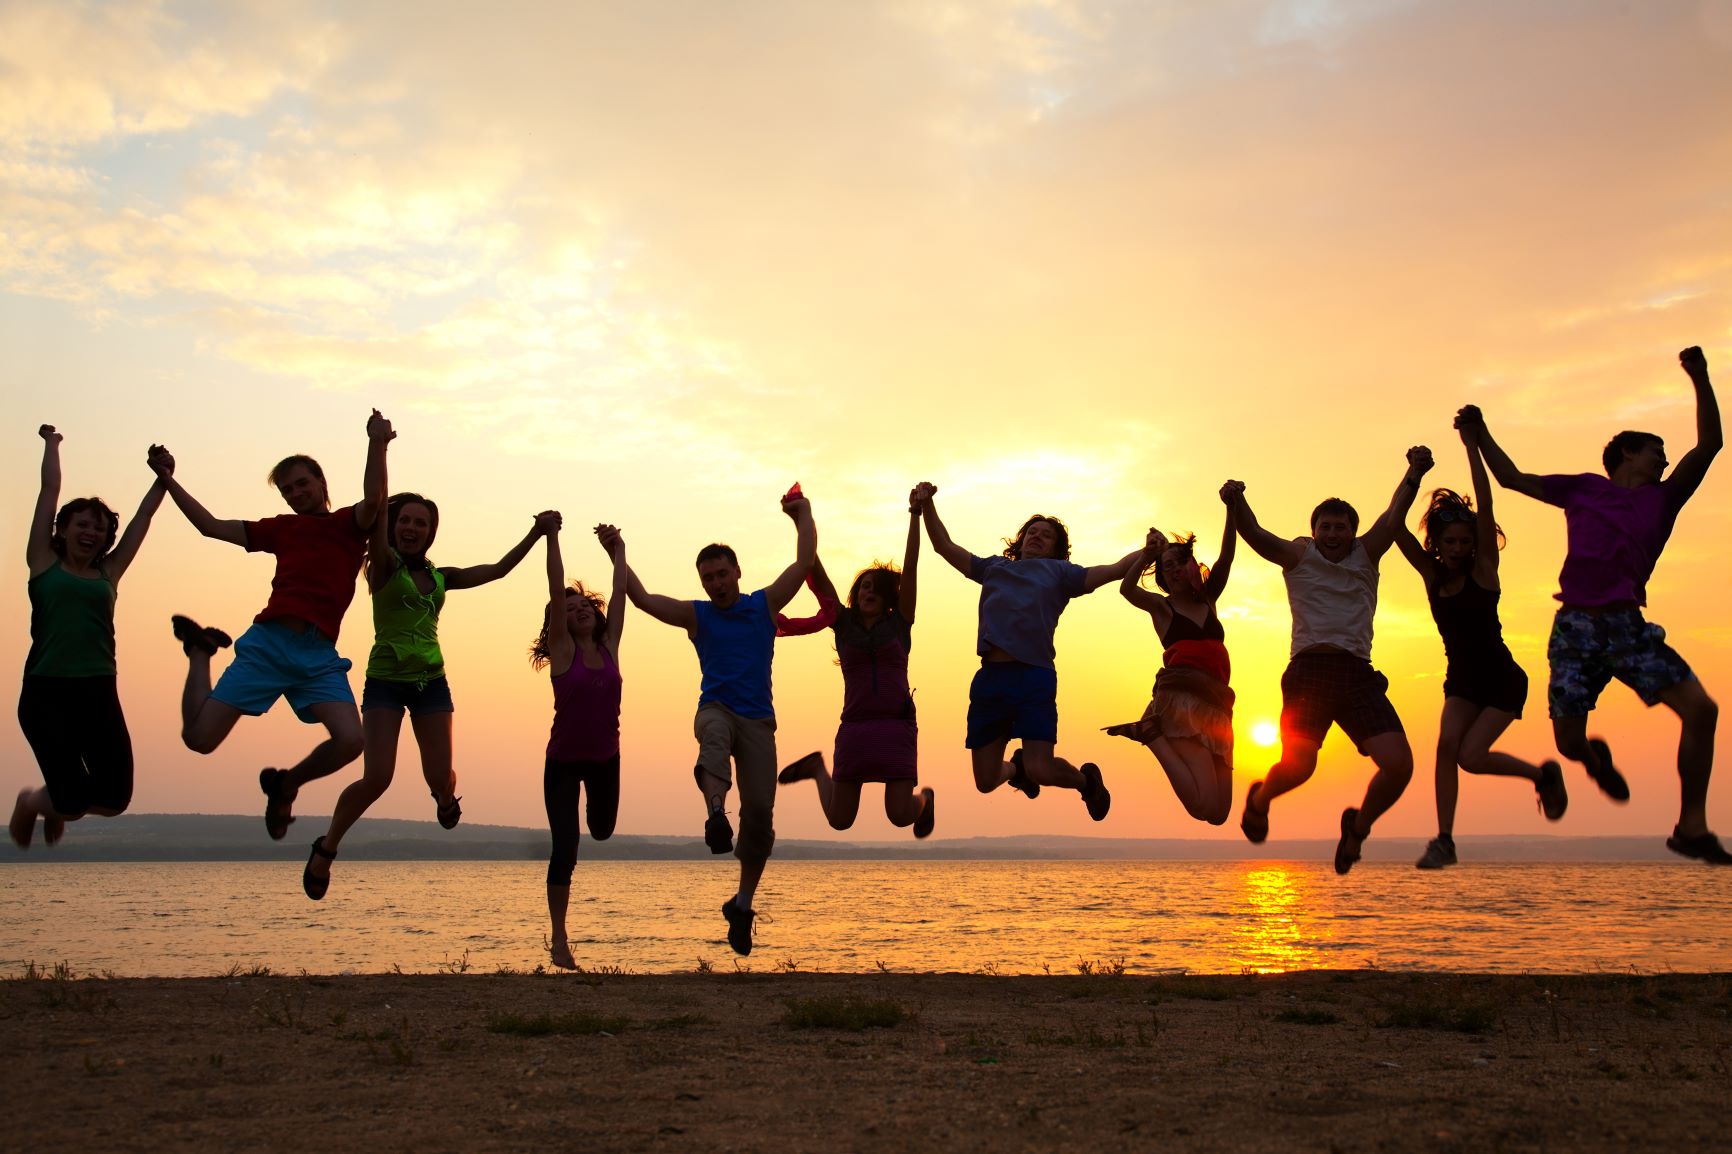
point(1009, 701)
point(418, 697)
point(272, 660)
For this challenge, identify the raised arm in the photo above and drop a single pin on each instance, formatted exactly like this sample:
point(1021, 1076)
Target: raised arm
point(614, 545)
point(1099, 575)
point(373, 499)
point(469, 576)
point(1265, 544)
point(960, 559)
point(38, 552)
point(1381, 535)
point(1416, 555)
point(1485, 556)
point(234, 532)
point(781, 591)
point(561, 649)
point(131, 541)
point(1223, 567)
point(1693, 467)
point(1498, 461)
point(1130, 585)
point(664, 609)
point(908, 591)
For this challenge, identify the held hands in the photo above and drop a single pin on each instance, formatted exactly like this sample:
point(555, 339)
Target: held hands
point(1232, 492)
point(48, 433)
point(547, 522)
point(379, 428)
point(161, 461)
point(919, 495)
point(610, 538)
point(1693, 359)
point(1470, 421)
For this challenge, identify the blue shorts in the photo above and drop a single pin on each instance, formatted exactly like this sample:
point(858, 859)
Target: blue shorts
point(1587, 650)
point(1008, 701)
point(273, 660)
point(418, 697)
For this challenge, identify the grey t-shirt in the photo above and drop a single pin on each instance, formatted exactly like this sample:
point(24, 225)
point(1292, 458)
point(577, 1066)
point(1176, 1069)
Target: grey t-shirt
point(1020, 604)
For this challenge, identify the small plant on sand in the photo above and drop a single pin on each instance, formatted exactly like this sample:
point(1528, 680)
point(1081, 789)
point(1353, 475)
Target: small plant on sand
point(788, 966)
point(1430, 1012)
point(704, 967)
point(548, 1025)
point(843, 1013)
point(456, 965)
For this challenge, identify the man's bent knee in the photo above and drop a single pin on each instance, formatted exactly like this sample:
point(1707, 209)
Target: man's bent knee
point(757, 835)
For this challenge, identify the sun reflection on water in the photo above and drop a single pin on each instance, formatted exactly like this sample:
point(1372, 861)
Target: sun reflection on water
point(1268, 937)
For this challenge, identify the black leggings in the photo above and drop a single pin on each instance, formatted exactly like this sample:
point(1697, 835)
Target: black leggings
point(78, 733)
point(560, 784)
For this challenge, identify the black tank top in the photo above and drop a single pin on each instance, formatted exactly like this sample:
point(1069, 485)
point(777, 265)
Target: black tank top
point(1182, 628)
point(1468, 620)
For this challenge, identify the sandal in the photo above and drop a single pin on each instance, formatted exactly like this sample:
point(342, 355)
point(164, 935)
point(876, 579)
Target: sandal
point(278, 817)
point(449, 812)
point(314, 885)
point(1255, 825)
point(1704, 847)
point(928, 815)
point(1604, 773)
point(1019, 778)
point(195, 638)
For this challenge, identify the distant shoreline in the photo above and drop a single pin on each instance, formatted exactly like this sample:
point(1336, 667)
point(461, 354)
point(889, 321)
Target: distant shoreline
point(238, 837)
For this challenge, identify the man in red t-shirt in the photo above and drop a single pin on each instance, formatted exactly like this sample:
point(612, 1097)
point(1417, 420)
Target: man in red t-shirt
point(290, 650)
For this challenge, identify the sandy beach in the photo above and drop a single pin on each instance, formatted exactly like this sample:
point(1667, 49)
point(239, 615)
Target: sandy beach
point(779, 1061)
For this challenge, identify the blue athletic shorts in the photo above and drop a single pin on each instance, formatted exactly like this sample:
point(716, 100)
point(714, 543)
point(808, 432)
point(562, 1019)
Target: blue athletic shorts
point(1587, 650)
point(1011, 701)
point(417, 697)
point(273, 660)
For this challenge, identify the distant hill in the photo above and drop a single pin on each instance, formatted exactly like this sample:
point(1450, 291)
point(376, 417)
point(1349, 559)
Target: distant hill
point(232, 837)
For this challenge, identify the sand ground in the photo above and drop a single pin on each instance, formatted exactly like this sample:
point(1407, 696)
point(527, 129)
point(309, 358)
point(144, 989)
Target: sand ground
point(720, 1061)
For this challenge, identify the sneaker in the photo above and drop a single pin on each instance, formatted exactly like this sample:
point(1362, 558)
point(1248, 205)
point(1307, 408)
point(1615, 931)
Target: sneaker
point(1439, 852)
point(449, 813)
point(278, 815)
point(719, 832)
point(1094, 791)
point(1604, 773)
point(1345, 856)
point(928, 814)
point(739, 926)
point(805, 769)
point(1704, 847)
point(1019, 778)
point(1554, 798)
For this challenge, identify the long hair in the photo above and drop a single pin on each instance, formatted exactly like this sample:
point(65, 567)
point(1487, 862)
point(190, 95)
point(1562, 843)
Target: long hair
point(886, 582)
point(1061, 548)
point(1447, 507)
point(57, 537)
point(1184, 546)
point(539, 655)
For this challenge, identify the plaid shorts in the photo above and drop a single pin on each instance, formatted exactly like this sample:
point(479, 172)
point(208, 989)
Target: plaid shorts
point(1587, 650)
point(1326, 688)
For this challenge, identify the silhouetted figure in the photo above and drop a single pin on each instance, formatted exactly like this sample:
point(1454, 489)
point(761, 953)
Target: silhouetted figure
point(1618, 524)
point(877, 738)
point(290, 650)
point(1014, 695)
point(1332, 590)
point(1484, 689)
point(69, 707)
point(735, 636)
point(1188, 724)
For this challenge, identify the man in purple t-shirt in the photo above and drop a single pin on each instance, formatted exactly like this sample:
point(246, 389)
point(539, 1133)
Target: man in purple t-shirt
point(1617, 526)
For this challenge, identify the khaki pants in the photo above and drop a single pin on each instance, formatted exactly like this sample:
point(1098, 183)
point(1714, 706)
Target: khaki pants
point(725, 741)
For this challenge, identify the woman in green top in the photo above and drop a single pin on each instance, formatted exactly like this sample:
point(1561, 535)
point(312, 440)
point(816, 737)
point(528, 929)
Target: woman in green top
point(406, 670)
point(69, 708)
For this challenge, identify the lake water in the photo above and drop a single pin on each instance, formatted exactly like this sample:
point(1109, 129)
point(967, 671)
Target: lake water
point(201, 919)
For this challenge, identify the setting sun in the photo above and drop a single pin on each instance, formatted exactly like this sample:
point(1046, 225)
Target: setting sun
point(1265, 733)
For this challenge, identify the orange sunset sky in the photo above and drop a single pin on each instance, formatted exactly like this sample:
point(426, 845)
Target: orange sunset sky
point(650, 263)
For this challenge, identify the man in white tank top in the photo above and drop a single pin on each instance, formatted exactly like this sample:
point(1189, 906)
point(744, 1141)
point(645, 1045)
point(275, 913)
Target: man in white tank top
point(1332, 589)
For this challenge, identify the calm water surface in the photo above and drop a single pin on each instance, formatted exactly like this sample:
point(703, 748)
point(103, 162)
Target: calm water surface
point(179, 919)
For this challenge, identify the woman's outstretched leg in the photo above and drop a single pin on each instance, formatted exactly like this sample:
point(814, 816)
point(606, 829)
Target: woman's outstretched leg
point(382, 729)
point(433, 736)
point(1202, 787)
point(1477, 756)
point(560, 789)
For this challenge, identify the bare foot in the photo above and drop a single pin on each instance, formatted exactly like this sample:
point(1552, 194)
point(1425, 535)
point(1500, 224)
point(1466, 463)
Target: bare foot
point(562, 958)
point(22, 827)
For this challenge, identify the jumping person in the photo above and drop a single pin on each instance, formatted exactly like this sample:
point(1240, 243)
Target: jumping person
point(1014, 695)
point(1188, 724)
point(1331, 581)
point(579, 648)
point(69, 708)
point(406, 669)
point(1618, 524)
point(735, 637)
point(1484, 689)
point(876, 740)
point(290, 650)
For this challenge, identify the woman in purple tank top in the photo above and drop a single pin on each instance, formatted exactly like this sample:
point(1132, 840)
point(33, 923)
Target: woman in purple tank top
point(877, 737)
point(579, 647)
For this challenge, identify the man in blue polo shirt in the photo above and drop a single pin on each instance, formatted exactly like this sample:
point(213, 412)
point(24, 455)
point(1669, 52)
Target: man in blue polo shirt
point(735, 636)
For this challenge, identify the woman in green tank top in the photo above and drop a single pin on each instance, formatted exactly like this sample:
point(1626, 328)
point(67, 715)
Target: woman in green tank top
point(406, 670)
point(69, 709)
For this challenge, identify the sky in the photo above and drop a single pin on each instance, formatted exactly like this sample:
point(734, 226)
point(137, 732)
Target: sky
point(649, 264)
